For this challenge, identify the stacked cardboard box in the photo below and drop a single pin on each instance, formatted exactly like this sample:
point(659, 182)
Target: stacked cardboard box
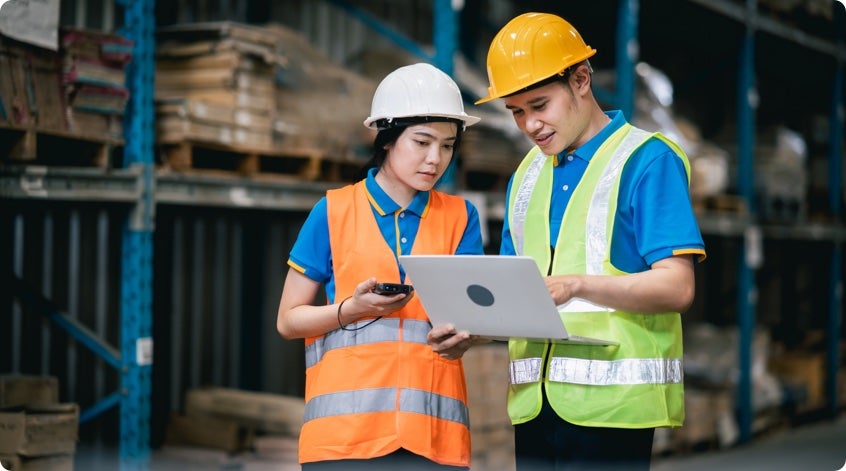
point(36, 431)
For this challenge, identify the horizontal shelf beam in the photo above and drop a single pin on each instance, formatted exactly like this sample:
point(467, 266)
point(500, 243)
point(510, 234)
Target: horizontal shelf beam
point(239, 193)
point(762, 23)
point(123, 186)
point(70, 184)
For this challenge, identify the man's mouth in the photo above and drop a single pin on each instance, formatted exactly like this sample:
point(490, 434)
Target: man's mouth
point(544, 139)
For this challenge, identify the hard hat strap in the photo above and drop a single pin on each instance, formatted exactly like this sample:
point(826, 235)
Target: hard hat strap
point(388, 123)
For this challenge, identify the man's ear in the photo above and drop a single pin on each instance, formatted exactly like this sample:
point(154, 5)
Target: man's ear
point(580, 79)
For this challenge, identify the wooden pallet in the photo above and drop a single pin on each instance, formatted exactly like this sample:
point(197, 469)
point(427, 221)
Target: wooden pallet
point(304, 163)
point(31, 145)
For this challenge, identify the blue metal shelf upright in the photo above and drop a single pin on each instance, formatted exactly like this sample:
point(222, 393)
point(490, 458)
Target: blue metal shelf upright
point(627, 47)
point(137, 251)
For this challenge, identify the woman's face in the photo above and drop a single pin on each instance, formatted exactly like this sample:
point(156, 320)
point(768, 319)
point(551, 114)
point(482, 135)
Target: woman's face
point(420, 155)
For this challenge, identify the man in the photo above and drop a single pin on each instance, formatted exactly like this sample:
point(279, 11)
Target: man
point(604, 210)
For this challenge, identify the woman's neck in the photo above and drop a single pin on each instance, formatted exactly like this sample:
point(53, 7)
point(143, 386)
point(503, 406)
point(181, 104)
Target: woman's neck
point(400, 193)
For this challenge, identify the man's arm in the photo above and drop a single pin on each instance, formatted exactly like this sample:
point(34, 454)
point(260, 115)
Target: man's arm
point(668, 286)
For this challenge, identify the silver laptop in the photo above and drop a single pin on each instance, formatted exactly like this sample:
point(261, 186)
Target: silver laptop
point(493, 296)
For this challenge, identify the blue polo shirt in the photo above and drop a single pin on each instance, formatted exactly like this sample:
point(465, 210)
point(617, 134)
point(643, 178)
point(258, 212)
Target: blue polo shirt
point(312, 255)
point(655, 218)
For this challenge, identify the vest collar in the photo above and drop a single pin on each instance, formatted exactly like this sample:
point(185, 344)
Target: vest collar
point(383, 204)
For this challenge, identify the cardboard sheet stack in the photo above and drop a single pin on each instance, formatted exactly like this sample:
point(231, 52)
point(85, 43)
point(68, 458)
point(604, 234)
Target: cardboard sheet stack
point(94, 81)
point(244, 429)
point(37, 432)
point(30, 92)
point(320, 103)
point(214, 83)
point(254, 87)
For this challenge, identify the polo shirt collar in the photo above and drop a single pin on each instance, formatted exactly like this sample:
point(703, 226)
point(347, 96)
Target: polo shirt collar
point(586, 150)
point(383, 204)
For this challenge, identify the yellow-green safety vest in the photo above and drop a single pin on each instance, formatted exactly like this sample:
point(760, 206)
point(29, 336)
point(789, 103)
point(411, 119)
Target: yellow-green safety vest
point(636, 384)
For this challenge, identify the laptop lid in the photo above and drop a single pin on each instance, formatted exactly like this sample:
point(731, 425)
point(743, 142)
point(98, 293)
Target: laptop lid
point(498, 297)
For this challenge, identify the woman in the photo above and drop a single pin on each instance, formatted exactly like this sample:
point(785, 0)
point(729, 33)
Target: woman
point(377, 395)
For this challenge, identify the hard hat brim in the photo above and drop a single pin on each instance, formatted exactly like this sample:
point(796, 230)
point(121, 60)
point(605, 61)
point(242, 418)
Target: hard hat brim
point(468, 120)
point(514, 90)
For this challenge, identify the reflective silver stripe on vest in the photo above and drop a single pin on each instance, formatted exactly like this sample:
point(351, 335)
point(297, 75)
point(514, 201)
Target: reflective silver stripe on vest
point(383, 330)
point(596, 226)
point(604, 373)
point(517, 224)
point(415, 331)
point(435, 405)
point(526, 370)
point(385, 400)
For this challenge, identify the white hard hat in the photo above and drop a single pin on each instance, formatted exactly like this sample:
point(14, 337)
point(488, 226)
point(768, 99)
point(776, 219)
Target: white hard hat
point(417, 90)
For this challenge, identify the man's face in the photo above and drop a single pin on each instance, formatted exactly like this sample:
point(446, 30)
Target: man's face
point(551, 116)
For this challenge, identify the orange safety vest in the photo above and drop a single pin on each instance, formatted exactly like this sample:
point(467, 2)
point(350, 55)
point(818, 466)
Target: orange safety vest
point(372, 391)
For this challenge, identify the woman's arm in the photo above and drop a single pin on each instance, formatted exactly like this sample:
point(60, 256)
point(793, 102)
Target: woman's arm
point(298, 317)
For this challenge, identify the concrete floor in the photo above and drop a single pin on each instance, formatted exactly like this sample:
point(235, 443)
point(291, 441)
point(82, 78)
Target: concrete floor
point(818, 446)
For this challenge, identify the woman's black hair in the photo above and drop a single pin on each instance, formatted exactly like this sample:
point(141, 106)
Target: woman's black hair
point(389, 132)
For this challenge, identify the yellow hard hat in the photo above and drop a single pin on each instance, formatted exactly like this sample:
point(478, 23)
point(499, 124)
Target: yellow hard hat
point(530, 48)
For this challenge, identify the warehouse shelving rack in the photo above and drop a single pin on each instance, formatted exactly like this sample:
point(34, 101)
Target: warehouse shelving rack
point(747, 228)
point(138, 187)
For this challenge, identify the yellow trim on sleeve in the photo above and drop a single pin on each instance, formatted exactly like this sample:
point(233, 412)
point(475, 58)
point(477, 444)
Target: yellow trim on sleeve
point(700, 252)
point(296, 267)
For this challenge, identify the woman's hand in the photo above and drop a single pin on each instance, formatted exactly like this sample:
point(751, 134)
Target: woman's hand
point(365, 303)
point(451, 344)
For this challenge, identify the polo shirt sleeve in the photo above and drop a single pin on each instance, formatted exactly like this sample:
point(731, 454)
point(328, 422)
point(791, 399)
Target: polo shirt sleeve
point(660, 215)
point(311, 253)
point(471, 241)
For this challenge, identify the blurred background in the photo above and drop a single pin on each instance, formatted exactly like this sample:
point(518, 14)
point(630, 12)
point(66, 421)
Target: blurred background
point(158, 159)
